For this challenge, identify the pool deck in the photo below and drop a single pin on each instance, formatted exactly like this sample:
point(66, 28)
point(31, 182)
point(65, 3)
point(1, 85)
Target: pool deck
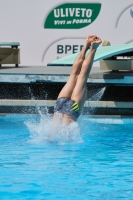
point(28, 74)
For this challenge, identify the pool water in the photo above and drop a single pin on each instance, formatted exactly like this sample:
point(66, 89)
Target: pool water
point(85, 161)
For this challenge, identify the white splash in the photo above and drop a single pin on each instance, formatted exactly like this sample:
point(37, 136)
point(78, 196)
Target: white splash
point(46, 131)
point(97, 96)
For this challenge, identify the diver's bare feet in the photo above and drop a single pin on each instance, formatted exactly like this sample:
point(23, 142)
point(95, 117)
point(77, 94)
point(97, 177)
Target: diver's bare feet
point(89, 40)
point(95, 43)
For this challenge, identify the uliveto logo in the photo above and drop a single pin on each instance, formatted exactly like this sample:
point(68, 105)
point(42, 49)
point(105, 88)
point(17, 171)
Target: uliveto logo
point(72, 15)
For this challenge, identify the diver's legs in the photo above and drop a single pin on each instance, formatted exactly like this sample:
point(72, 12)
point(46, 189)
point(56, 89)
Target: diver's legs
point(69, 86)
point(80, 90)
point(67, 90)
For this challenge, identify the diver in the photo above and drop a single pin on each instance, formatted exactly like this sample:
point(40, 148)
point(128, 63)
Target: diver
point(72, 97)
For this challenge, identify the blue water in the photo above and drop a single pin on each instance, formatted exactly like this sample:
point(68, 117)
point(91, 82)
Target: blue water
point(94, 161)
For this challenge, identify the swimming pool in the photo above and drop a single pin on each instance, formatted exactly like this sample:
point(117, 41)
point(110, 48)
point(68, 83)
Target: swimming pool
point(95, 161)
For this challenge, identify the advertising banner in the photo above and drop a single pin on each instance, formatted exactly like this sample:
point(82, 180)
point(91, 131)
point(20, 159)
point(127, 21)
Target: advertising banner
point(49, 30)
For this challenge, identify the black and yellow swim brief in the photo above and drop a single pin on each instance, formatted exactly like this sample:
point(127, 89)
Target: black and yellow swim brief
point(67, 106)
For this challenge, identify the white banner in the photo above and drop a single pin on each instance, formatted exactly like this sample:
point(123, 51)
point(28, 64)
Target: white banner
point(48, 30)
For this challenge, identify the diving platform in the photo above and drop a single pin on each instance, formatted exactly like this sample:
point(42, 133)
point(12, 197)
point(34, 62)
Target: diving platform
point(104, 52)
point(113, 57)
